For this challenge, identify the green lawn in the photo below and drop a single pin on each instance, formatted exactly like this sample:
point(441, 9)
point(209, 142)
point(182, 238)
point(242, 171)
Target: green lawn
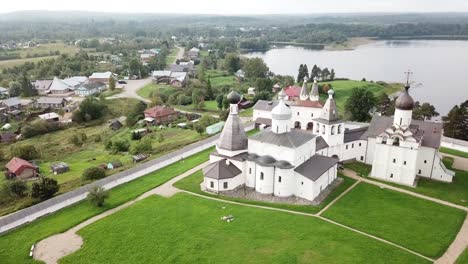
point(22, 238)
point(417, 224)
point(148, 89)
point(343, 89)
point(187, 229)
point(454, 152)
point(247, 112)
point(192, 184)
point(360, 168)
point(463, 259)
point(171, 57)
point(211, 107)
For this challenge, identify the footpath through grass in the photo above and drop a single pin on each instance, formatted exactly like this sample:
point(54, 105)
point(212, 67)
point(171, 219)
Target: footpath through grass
point(192, 184)
point(187, 229)
point(15, 245)
point(454, 152)
point(420, 225)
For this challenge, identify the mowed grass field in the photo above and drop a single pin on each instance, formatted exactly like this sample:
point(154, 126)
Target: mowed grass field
point(192, 184)
point(420, 225)
point(15, 245)
point(187, 229)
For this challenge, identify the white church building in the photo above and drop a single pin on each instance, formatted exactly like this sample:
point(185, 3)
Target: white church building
point(278, 161)
point(399, 148)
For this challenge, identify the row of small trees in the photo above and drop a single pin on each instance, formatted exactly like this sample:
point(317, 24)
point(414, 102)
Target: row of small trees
point(321, 74)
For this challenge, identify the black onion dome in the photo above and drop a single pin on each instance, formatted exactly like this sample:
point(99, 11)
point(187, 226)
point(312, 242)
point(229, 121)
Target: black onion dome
point(233, 97)
point(404, 101)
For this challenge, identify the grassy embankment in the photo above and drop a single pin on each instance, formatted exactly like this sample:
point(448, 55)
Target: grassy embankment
point(23, 237)
point(187, 229)
point(454, 152)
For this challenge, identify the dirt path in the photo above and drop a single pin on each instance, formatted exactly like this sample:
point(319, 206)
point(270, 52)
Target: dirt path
point(180, 54)
point(459, 163)
point(55, 247)
point(131, 88)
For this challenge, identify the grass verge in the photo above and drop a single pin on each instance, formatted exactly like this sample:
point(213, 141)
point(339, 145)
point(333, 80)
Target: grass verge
point(454, 152)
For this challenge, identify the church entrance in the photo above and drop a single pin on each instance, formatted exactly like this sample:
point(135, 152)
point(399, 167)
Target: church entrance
point(310, 126)
point(297, 125)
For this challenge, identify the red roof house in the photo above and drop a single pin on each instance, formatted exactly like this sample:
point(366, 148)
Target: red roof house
point(160, 114)
point(21, 169)
point(292, 92)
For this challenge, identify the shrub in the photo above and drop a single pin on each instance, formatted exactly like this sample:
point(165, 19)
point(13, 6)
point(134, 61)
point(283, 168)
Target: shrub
point(39, 127)
point(45, 188)
point(27, 152)
point(93, 173)
point(75, 140)
point(120, 145)
point(97, 196)
point(142, 146)
point(17, 188)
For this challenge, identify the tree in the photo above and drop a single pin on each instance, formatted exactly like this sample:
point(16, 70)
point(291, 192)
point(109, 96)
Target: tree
point(75, 140)
point(45, 188)
point(219, 101)
point(27, 89)
point(305, 72)
point(209, 90)
point(300, 74)
point(197, 98)
point(232, 63)
point(90, 109)
point(201, 73)
point(17, 188)
point(26, 152)
point(325, 74)
point(332, 74)
point(315, 72)
point(111, 83)
point(14, 89)
point(142, 146)
point(360, 104)
point(135, 114)
point(384, 105)
point(97, 195)
point(156, 100)
point(93, 173)
point(255, 68)
point(456, 122)
point(199, 128)
point(425, 111)
point(120, 145)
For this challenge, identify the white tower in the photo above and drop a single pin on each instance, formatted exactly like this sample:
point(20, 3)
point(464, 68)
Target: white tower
point(404, 105)
point(314, 92)
point(280, 118)
point(329, 126)
point(304, 94)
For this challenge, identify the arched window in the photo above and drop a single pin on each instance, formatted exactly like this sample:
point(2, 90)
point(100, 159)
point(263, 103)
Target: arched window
point(333, 130)
point(317, 128)
point(396, 141)
point(310, 126)
point(261, 175)
point(323, 129)
point(384, 140)
point(339, 129)
point(297, 125)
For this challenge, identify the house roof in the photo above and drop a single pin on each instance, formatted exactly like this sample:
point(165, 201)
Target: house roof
point(101, 75)
point(264, 121)
point(292, 91)
point(48, 116)
point(354, 134)
point(59, 85)
point(3, 90)
point(161, 73)
point(92, 85)
point(16, 165)
point(159, 111)
point(265, 105)
point(233, 136)
point(180, 67)
point(50, 100)
point(429, 133)
point(221, 169)
point(291, 139)
point(42, 84)
point(314, 167)
point(13, 101)
point(239, 157)
point(306, 103)
point(320, 143)
point(75, 80)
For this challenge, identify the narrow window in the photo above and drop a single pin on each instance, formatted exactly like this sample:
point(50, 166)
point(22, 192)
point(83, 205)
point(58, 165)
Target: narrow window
point(279, 179)
point(312, 115)
point(352, 145)
point(425, 161)
point(261, 175)
point(225, 185)
point(419, 172)
point(391, 175)
point(401, 119)
point(362, 158)
point(302, 183)
point(346, 146)
point(250, 170)
point(297, 113)
point(359, 144)
point(394, 160)
point(211, 184)
point(404, 162)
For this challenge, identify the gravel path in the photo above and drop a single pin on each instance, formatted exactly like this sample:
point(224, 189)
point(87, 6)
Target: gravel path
point(131, 88)
point(55, 247)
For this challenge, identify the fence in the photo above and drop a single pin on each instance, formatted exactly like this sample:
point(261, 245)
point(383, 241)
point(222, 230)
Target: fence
point(453, 143)
point(58, 202)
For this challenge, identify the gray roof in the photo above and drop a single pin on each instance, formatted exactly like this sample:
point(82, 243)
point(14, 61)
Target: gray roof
point(93, 85)
point(430, 132)
point(220, 170)
point(265, 105)
point(314, 167)
point(329, 111)
point(269, 161)
point(42, 84)
point(3, 90)
point(291, 139)
point(13, 101)
point(354, 134)
point(264, 121)
point(238, 157)
point(233, 136)
point(50, 100)
point(327, 122)
point(58, 85)
point(404, 100)
point(320, 143)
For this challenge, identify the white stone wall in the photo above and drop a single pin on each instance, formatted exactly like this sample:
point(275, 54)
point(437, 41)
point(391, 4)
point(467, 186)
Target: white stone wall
point(287, 186)
point(264, 185)
point(439, 171)
point(250, 173)
point(261, 113)
point(402, 117)
point(425, 161)
point(219, 185)
point(303, 115)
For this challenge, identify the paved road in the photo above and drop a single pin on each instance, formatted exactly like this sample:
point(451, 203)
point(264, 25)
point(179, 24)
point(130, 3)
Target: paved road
point(131, 88)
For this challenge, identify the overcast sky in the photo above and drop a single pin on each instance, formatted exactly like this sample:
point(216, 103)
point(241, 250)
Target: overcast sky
point(228, 7)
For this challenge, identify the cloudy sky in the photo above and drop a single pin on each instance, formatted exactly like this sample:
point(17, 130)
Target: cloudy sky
point(228, 7)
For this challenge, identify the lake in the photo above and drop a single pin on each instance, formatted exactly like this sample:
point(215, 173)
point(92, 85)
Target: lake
point(439, 68)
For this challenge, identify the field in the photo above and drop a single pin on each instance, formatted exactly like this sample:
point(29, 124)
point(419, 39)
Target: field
point(454, 152)
point(420, 225)
point(192, 184)
point(344, 88)
point(66, 218)
point(147, 90)
point(186, 229)
point(35, 54)
point(455, 192)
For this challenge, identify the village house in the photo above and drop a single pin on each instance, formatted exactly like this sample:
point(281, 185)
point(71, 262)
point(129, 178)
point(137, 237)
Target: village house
point(176, 79)
point(58, 86)
point(8, 137)
point(75, 81)
point(101, 77)
point(11, 104)
point(184, 66)
point(3, 92)
point(90, 88)
point(193, 53)
point(51, 102)
point(50, 117)
point(42, 86)
point(21, 169)
point(160, 114)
